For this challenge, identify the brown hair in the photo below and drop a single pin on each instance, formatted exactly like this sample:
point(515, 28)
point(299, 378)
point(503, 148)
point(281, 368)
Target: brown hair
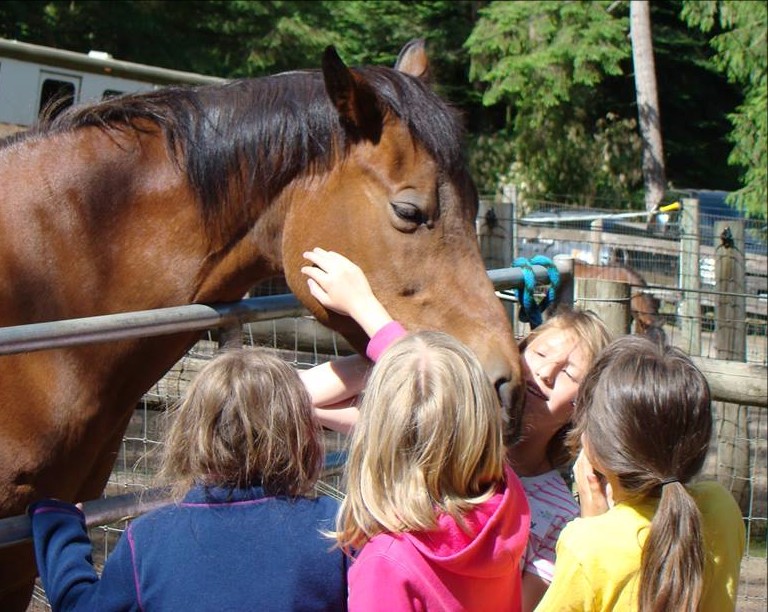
point(245, 420)
point(592, 335)
point(645, 412)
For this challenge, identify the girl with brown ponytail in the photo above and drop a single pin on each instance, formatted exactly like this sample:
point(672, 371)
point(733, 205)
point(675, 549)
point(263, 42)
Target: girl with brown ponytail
point(650, 538)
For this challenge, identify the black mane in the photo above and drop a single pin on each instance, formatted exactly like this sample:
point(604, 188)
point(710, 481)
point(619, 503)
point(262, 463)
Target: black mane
point(249, 138)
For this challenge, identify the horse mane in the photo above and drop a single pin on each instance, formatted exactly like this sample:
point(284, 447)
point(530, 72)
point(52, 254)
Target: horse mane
point(249, 138)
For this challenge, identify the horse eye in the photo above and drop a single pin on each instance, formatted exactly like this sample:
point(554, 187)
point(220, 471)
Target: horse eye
point(409, 212)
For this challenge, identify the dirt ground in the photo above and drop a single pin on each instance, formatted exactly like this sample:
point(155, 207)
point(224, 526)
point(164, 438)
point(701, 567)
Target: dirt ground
point(753, 585)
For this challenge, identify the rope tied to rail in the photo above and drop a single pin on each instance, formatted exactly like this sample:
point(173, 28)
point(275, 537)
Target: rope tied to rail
point(531, 310)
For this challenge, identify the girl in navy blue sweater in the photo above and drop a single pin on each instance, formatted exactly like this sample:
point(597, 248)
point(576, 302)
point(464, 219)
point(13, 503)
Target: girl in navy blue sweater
point(243, 453)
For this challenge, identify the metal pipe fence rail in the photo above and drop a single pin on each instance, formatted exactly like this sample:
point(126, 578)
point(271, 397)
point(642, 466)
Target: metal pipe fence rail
point(192, 317)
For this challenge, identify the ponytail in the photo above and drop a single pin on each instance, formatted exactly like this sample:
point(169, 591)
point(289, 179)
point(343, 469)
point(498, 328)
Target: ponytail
point(636, 387)
point(673, 558)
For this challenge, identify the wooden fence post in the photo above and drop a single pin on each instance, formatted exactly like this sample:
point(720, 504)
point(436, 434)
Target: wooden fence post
point(494, 233)
point(690, 279)
point(608, 299)
point(495, 226)
point(596, 238)
point(566, 293)
point(731, 286)
point(731, 342)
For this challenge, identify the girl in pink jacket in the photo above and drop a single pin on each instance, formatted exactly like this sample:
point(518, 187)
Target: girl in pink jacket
point(438, 521)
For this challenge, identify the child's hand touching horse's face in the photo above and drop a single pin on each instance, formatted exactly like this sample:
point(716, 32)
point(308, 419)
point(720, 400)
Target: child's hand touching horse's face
point(340, 285)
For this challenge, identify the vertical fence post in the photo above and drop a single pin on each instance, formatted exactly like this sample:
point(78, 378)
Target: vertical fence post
point(509, 204)
point(608, 299)
point(690, 280)
point(567, 291)
point(731, 343)
point(730, 281)
point(596, 237)
point(509, 195)
point(491, 234)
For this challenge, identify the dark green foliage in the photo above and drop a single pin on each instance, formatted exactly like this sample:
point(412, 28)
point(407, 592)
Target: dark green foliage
point(739, 41)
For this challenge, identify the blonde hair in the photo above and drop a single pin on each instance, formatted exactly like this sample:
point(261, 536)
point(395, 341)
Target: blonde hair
point(428, 440)
point(645, 411)
point(585, 325)
point(593, 336)
point(246, 419)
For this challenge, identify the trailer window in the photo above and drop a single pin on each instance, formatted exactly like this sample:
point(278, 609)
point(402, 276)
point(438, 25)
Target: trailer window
point(55, 96)
point(111, 93)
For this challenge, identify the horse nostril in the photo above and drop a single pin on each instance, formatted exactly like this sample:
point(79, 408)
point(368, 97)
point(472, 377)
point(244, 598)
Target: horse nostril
point(511, 409)
point(505, 373)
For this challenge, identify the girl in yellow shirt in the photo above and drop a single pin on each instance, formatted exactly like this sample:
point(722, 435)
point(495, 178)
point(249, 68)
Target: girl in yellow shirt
point(649, 539)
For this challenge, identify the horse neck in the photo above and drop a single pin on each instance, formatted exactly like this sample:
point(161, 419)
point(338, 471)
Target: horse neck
point(254, 253)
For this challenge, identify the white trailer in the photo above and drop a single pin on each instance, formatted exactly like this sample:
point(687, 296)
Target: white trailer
point(32, 76)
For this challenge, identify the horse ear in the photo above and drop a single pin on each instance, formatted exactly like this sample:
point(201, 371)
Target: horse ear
point(413, 60)
point(353, 97)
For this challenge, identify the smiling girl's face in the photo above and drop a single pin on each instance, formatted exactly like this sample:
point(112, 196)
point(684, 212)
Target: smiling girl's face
point(554, 364)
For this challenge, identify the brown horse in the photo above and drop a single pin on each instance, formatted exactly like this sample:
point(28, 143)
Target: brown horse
point(193, 195)
point(643, 306)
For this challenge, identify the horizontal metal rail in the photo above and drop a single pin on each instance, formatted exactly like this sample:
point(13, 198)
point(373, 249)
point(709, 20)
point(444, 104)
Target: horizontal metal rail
point(145, 323)
point(104, 511)
point(191, 317)
point(116, 508)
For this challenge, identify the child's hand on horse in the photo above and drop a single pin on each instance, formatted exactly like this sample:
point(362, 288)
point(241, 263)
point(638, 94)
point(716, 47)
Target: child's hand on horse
point(340, 285)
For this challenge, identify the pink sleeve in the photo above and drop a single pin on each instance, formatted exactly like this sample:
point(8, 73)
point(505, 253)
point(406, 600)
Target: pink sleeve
point(379, 583)
point(382, 339)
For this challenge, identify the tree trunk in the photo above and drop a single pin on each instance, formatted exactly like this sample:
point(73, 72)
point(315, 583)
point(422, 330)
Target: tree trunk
point(647, 103)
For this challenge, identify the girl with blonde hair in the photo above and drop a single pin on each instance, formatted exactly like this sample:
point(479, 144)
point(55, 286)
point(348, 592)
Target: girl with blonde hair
point(438, 521)
point(243, 454)
point(556, 356)
point(651, 537)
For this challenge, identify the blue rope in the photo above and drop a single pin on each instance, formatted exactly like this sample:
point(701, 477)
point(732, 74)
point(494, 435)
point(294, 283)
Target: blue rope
point(530, 310)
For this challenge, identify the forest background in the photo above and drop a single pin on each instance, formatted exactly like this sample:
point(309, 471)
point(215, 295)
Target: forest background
point(546, 87)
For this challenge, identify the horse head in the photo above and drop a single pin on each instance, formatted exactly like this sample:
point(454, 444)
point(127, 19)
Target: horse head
point(402, 205)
